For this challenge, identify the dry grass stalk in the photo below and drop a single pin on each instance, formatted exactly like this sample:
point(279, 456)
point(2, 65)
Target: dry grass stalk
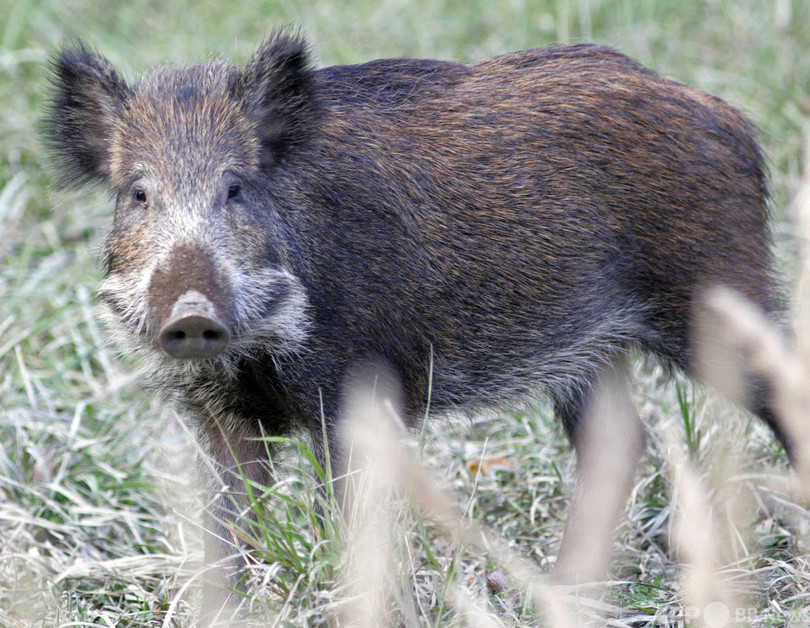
point(369, 481)
point(702, 535)
point(802, 210)
point(380, 466)
point(472, 610)
point(734, 340)
point(608, 450)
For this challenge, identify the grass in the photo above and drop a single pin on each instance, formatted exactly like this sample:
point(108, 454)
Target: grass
point(99, 503)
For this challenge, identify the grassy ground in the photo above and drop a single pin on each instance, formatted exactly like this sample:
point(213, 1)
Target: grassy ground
point(98, 501)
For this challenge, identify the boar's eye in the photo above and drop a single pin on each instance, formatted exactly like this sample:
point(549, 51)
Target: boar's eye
point(139, 195)
point(234, 190)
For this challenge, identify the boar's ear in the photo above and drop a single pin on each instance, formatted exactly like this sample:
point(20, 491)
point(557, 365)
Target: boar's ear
point(276, 90)
point(85, 99)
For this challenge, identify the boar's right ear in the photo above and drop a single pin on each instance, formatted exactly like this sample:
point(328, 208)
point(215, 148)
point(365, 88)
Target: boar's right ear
point(85, 99)
point(276, 91)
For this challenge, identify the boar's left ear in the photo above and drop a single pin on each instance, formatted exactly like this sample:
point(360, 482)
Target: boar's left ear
point(85, 101)
point(276, 90)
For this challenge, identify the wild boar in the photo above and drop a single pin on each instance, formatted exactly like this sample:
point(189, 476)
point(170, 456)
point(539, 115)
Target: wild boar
point(503, 229)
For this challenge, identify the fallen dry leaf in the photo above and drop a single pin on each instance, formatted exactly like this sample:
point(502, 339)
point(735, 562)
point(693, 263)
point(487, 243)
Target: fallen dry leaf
point(488, 465)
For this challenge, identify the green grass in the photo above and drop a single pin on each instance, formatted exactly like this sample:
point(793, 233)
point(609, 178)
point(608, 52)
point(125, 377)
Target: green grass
point(99, 505)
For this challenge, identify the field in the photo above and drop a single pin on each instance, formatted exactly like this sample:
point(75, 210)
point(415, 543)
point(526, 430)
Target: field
point(99, 501)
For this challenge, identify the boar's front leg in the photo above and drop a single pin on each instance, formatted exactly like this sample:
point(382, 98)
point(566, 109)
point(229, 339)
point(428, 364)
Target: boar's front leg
point(235, 460)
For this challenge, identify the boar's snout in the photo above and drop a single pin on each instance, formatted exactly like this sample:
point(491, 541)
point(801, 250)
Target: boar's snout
point(193, 330)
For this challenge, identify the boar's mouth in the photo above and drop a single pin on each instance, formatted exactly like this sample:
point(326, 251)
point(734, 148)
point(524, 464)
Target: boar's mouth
point(191, 301)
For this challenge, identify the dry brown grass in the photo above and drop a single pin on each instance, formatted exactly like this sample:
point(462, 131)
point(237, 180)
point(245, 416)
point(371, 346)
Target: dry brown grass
point(98, 517)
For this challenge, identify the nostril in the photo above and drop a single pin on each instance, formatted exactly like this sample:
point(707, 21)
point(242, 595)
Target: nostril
point(194, 337)
point(194, 329)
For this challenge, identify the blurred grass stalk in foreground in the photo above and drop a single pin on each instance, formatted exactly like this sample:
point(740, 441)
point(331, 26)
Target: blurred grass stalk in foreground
point(733, 337)
point(379, 468)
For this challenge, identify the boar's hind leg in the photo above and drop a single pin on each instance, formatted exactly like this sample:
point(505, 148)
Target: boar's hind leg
point(759, 400)
point(608, 437)
point(236, 461)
